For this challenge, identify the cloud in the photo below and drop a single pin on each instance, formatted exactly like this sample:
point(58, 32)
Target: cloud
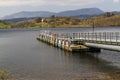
point(116, 1)
point(5, 3)
point(19, 2)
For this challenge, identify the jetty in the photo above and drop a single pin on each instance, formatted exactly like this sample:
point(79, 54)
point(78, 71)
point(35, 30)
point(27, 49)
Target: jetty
point(76, 42)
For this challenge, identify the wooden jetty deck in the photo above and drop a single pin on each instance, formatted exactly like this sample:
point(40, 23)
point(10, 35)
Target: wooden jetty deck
point(76, 42)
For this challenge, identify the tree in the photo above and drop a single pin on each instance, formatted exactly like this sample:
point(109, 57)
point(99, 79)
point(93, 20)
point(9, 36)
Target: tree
point(38, 20)
point(1, 21)
point(109, 14)
point(53, 20)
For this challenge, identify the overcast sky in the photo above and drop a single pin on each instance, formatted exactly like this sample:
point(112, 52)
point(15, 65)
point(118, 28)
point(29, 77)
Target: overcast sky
point(12, 6)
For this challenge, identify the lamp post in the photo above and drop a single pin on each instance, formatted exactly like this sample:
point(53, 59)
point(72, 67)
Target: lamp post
point(93, 25)
point(54, 20)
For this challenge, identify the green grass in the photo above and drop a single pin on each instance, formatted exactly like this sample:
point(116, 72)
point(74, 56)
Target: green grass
point(5, 75)
point(5, 25)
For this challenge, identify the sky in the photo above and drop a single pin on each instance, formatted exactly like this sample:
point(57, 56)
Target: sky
point(8, 7)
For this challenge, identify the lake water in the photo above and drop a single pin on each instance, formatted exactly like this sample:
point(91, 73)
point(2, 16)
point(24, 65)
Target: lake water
point(28, 59)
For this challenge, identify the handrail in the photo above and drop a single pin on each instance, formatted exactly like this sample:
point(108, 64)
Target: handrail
point(94, 37)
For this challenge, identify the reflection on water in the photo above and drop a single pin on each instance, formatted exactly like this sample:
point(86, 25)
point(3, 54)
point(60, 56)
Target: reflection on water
point(28, 59)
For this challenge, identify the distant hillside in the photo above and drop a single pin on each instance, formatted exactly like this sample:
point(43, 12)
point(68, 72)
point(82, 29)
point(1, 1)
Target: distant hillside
point(18, 19)
point(84, 11)
point(48, 22)
point(25, 19)
point(106, 20)
point(26, 14)
point(116, 12)
point(86, 16)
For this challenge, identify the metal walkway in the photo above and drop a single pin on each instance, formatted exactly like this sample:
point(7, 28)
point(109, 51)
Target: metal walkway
point(101, 40)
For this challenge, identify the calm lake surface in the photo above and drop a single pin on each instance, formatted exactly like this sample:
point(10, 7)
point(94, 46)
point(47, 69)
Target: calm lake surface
point(28, 59)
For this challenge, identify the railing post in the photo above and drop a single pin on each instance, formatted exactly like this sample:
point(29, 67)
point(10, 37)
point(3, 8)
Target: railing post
point(69, 35)
point(95, 36)
point(105, 37)
point(92, 36)
point(88, 36)
point(100, 36)
point(110, 38)
point(79, 35)
point(117, 35)
point(73, 35)
point(85, 36)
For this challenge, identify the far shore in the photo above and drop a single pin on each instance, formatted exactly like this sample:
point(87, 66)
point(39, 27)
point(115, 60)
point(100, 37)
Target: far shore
point(72, 26)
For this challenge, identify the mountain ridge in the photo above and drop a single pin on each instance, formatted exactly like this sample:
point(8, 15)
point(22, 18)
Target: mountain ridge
point(84, 11)
point(28, 14)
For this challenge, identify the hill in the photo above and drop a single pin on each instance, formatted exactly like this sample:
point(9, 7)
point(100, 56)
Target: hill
point(84, 11)
point(14, 20)
point(27, 14)
point(106, 20)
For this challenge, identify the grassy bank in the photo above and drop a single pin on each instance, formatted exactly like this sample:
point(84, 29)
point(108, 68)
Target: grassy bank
point(4, 75)
point(112, 20)
point(103, 20)
point(4, 25)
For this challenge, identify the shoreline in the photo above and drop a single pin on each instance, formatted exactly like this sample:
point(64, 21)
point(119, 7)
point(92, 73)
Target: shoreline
point(60, 27)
